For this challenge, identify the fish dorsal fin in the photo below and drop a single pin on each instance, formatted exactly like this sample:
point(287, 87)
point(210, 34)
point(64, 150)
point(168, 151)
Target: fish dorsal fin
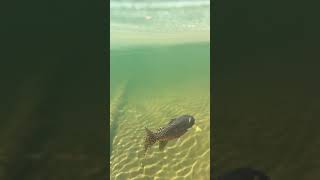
point(149, 133)
point(171, 121)
point(162, 144)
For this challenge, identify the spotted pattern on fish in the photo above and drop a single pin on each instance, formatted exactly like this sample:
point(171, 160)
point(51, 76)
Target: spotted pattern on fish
point(174, 129)
point(161, 132)
point(149, 140)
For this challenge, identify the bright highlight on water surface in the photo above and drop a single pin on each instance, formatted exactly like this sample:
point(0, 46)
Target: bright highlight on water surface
point(159, 22)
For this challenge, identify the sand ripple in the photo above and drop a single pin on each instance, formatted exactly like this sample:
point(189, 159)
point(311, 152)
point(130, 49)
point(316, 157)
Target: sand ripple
point(186, 158)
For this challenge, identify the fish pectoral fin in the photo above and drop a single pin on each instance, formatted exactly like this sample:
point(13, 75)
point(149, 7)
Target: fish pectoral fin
point(162, 144)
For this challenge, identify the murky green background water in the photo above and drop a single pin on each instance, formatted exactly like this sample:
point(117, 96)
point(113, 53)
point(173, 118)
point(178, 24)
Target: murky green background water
point(159, 69)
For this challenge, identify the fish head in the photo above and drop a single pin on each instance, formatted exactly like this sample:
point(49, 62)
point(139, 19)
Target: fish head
point(185, 122)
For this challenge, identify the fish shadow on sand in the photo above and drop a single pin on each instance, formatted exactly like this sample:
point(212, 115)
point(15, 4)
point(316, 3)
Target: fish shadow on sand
point(116, 119)
point(244, 174)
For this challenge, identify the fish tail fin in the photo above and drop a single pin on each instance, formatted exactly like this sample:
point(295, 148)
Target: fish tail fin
point(149, 140)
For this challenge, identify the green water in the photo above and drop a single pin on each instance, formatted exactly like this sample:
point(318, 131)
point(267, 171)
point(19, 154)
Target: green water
point(149, 86)
point(159, 70)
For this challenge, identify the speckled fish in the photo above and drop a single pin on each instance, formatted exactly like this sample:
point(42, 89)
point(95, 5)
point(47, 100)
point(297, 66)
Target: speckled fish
point(173, 130)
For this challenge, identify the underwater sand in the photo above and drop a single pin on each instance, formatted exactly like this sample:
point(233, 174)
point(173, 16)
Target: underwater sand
point(150, 86)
